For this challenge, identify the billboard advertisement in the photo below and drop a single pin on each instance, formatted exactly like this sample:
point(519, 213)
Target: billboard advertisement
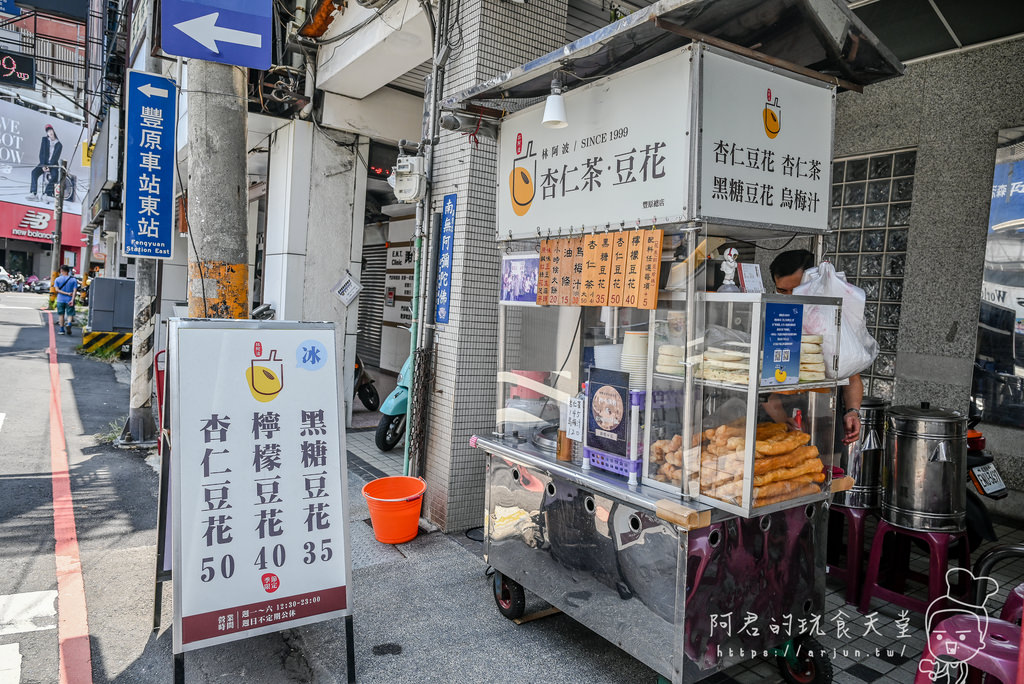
point(32, 145)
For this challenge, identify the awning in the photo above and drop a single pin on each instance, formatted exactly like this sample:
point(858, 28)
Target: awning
point(821, 35)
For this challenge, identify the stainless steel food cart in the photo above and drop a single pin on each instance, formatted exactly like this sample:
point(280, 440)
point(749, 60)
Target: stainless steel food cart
point(679, 548)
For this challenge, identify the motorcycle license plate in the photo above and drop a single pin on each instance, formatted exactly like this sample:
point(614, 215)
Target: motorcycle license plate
point(988, 478)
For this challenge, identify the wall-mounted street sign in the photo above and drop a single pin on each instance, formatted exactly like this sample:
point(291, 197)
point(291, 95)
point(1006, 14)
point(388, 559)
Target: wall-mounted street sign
point(149, 166)
point(17, 69)
point(228, 31)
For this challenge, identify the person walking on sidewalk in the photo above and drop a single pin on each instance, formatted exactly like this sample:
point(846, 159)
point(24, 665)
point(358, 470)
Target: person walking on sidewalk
point(66, 285)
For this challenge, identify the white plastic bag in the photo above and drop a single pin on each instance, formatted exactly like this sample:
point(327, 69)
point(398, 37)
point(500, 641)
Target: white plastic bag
point(856, 347)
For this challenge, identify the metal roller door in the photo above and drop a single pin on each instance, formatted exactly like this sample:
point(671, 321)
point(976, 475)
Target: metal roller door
point(371, 304)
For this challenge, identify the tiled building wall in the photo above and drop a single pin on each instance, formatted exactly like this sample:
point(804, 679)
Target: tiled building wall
point(488, 38)
point(950, 110)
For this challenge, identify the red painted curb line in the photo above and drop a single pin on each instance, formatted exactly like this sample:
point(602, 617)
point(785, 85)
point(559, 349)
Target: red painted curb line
point(72, 623)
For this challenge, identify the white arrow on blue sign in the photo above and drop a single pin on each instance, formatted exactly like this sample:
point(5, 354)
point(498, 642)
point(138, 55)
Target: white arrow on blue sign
point(150, 118)
point(228, 31)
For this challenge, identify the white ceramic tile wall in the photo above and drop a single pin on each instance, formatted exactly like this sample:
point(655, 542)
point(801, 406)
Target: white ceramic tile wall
point(496, 38)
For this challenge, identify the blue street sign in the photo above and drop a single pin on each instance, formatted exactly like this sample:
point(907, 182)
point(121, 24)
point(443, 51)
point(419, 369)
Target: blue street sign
point(228, 31)
point(149, 166)
point(444, 259)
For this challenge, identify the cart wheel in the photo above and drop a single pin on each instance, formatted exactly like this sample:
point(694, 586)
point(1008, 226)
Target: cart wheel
point(509, 596)
point(807, 665)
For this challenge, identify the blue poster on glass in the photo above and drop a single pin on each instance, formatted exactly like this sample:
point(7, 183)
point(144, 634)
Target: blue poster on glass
point(780, 360)
point(444, 259)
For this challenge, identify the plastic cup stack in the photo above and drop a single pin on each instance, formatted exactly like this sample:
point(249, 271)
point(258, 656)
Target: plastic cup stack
point(634, 359)
point(608, 356)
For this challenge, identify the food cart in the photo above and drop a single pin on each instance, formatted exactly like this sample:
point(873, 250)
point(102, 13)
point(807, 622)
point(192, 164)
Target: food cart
point(662, 461)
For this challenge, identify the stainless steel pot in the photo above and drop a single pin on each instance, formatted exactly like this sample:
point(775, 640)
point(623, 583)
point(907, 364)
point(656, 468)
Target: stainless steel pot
point(924, 469)
point(862, 460)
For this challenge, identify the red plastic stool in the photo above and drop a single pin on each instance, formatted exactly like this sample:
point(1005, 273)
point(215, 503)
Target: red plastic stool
point(851, 574)
point(1013, 609)
point(938, 562)
point(971, 641)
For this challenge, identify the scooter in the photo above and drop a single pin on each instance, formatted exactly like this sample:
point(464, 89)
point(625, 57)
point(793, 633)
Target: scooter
point(984, 480)
point(365, 390)
point(391, 428)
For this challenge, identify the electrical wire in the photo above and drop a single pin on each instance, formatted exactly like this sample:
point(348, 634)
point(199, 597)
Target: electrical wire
point(349, 32)
point(768, 249)
point(568, 354)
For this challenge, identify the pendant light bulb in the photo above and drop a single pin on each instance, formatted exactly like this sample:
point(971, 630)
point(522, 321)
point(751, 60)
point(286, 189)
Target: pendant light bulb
point(554, 109)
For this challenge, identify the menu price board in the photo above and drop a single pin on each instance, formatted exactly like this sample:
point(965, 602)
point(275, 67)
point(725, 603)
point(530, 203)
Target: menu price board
point(617, 279)
point(650, 270)
point(544, 273)
point(602, 269)
point(258, 479)
point(578, 265)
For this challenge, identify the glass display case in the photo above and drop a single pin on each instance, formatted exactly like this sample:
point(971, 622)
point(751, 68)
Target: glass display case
point(723, 397)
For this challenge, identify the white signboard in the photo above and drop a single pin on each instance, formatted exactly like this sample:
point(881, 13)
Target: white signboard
point(258, 479)
point(401, 282)
point(401, 257)
point(624, 157)
point(765, 146)
point(347, 289)
point(576, 418)
point(400, 313)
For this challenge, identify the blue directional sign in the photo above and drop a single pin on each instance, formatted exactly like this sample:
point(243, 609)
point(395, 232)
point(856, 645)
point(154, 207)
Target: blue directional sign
point(149, 166)
point(445, 255)
point(228, 31)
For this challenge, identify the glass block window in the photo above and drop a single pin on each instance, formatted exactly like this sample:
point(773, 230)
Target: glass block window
point(871, 200)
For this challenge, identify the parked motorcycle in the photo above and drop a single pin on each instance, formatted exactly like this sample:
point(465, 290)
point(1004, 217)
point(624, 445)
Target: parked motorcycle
point(984, 480)
point(391, 428)
point(364, 388)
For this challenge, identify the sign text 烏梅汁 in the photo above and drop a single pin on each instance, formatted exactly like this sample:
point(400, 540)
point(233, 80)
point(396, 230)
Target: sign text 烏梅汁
point(776, 169)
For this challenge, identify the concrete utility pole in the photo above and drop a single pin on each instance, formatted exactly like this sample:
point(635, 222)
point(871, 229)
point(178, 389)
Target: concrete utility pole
point(218, 265)
point(58, 220)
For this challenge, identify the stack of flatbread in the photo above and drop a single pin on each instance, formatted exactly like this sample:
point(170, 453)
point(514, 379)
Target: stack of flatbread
point(671, 360)
point(812, 359)
point(729, 362)
point(785, 465)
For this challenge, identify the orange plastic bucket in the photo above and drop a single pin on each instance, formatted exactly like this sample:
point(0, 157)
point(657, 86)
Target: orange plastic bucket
point(395, 504)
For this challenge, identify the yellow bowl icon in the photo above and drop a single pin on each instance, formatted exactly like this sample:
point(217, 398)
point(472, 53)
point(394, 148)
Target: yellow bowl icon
point(520, 184)
point(263, 383)
point(780, 375)
point(772, 125)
